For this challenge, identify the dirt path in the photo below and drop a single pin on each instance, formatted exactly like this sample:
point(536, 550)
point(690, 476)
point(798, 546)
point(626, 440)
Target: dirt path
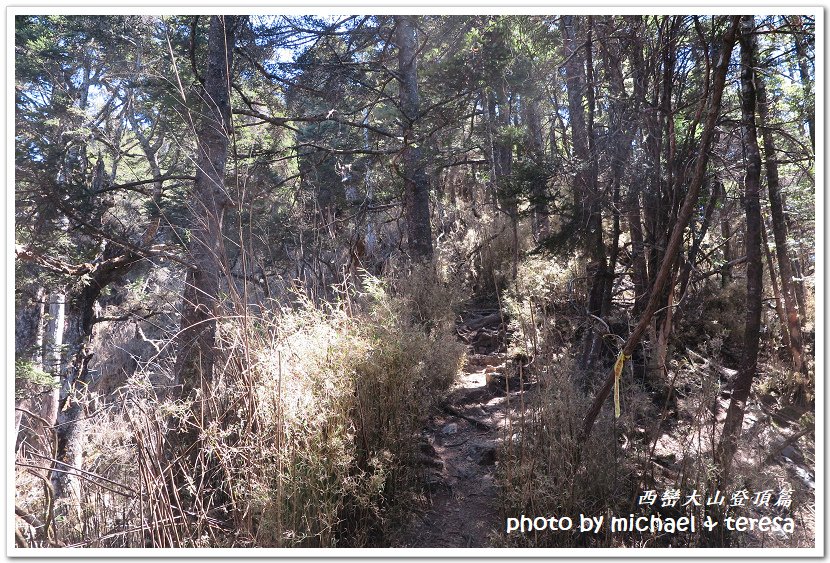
point(460, 453)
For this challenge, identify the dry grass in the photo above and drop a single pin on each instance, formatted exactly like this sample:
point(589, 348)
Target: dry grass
point(308, 435)
point(656, 444)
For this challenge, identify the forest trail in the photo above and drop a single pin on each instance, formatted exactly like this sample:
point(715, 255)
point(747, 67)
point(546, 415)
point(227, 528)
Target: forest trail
point(459, 448)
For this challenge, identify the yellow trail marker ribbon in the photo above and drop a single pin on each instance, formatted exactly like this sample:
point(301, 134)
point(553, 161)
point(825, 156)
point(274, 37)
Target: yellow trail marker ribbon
point(618, 368)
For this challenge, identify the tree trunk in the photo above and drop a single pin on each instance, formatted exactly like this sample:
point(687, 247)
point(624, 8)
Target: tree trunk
point(726, 235)
point(664, 199)
point(586, 198)
point(754, 275)
point(806, 82)
point(501, 153)
point(699, 236)
point(503, 159)
point(197, 354)
point(640, 276)
point(689, 205)
point(416, 186)
point(30, 311)
point(70, 426)
point(53, 347)
point(776, 290)
point(538, 191)
point(623, 124)
point(798, 283)
point(779, 229)
point(76, 376)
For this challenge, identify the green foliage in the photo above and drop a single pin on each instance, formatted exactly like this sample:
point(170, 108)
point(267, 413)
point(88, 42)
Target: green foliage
point(309, 435)
point(525, 177)
point(28, 375)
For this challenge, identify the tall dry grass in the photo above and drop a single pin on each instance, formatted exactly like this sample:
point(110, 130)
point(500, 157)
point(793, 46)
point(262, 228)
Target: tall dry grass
point(657, 443)
point(308, 435)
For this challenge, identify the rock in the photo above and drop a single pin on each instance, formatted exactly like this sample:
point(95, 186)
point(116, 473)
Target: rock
point(428, 449)
point(496, 382)
point(789, 452)
point(487, 457)
point(430, 461)
point(434, 482)
point(483, 453)
point(449, 429)
point(428, 455)
point(480, 321)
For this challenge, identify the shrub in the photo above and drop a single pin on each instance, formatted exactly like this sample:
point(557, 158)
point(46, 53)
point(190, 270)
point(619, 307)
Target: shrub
point(308, 436)
point(341, 399)
point(548, 470)
point(718, 313)
point(541, 286)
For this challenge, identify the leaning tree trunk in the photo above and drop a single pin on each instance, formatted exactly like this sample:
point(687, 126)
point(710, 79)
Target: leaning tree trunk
point(76, 376)
point(416, 185)
point(776, 290)
point(685, 214)
point(754, 269)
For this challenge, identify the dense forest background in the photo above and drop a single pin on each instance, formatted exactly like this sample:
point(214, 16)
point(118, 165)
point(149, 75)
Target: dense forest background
point(259, 261)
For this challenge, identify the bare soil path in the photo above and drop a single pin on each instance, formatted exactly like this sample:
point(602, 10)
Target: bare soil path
point(460, 448)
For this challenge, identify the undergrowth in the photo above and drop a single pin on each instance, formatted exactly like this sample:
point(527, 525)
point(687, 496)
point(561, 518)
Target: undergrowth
point(658, 443)
point(310, 429)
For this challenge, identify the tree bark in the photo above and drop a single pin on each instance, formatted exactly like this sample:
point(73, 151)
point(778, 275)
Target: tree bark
point(776, 290)
point(578, 76)
point(699, 236)
point(621, 116)
point(30, 311)
point(754, 274)
point(640, 277)
point(70, 426)
point(76, 376)
point(416, 185)
point(726, 234)
point(197, 353)
point(779, 229)
point(538, 192)
point(665, 191)
point(689, 205)
point(806, 82)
